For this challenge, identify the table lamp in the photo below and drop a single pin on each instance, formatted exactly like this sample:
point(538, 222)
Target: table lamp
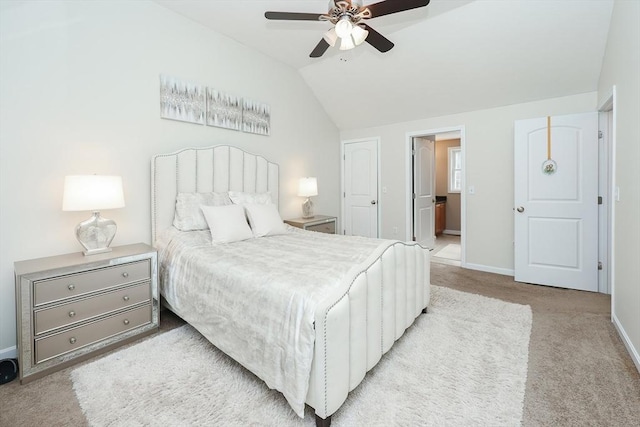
point(93, 193)
point(308, 187)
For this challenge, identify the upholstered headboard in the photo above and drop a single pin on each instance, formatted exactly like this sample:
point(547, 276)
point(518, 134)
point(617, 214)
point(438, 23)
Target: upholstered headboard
point(202, 170)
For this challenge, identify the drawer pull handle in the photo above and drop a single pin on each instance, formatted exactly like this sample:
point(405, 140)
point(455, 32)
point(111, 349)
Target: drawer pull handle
point(126, 321)
point(72, 313)
point(125, 274)
point(71, 287)
point(72, 340)
point(126, 297)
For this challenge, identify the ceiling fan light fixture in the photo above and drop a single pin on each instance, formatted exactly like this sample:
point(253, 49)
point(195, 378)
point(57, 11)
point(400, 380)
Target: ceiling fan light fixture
point(344, 27)
point(331, 37)
point(347, 43)
point(359, 35)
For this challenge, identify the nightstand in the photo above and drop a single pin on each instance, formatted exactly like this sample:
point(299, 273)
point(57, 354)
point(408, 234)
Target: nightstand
point(72, 307)
point(321, 223)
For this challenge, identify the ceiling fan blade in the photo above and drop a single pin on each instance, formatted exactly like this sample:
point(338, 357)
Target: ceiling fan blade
point(377, 40)
point(393, 6)
point(320, 49)
point(293, 16)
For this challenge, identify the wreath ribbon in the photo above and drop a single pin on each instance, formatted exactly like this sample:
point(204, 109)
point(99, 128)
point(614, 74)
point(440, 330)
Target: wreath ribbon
point(548, 137)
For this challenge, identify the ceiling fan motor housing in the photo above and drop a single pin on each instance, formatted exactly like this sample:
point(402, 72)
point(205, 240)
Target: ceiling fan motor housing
point(345, 9)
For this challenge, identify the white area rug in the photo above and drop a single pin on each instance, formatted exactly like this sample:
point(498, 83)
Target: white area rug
point(451, 251)
point(462, 364)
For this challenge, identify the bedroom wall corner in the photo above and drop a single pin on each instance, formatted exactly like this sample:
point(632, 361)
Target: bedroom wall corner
point(79, 94)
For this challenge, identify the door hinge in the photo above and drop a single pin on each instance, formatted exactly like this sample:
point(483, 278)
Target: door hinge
point(599, 200)
point(600, 135)
point(413, 238)
point(599, 265)
point(414, 196)
point(344, 194)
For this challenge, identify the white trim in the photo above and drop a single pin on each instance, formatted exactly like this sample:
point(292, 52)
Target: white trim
point(342, 189)
point(408, 179)
point(609, 103)
point(627, 341)
point(452, 232)
point(9, 353)
point(603, 193)
point(489, 269)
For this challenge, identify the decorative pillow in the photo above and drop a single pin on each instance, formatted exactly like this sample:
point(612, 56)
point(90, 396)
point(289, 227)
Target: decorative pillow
point(265, 220)
point(188, 216)
point(240, 198)
point(227, 223)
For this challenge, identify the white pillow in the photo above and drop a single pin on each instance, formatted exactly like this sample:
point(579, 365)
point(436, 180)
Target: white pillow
point(227, 223)
point(265, 220)
point(188, 215)
point(240, 198)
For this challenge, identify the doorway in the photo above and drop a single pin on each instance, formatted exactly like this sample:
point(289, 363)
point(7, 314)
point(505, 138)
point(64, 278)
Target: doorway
point(445, 231)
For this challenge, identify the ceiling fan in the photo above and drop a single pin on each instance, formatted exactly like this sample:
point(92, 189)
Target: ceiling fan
point(348, 18)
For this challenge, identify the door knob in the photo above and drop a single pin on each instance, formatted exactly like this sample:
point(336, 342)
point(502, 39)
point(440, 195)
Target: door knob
point(373, 202)
point(520, 209)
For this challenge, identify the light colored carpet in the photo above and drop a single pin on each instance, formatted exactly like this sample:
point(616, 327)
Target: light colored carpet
point(463, 363)
point(451, 251)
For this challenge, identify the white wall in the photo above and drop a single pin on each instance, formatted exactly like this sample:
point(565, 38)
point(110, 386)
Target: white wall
point(79, 95)
point(621, 67)
point(488, 167)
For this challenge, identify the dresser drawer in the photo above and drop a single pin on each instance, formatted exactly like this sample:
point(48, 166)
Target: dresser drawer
point(60, 288)
point(73, 339)
point(84, 309)
point(328, 227)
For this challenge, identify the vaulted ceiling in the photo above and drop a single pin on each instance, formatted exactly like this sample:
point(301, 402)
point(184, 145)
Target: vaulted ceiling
point(449, 57)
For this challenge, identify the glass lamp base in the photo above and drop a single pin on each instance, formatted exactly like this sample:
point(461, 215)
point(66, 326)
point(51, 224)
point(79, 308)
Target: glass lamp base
point(307, 209)
point(95, 234)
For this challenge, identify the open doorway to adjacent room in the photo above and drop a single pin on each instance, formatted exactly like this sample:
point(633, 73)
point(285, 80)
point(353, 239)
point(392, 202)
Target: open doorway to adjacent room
point(436, 193)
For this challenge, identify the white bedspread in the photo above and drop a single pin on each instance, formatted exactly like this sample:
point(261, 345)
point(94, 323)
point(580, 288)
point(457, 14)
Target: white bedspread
point(256, 299)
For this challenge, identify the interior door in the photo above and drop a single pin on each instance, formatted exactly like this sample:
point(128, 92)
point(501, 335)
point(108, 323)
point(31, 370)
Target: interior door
point(424, 199)
point(556, 201)
point(361, 188)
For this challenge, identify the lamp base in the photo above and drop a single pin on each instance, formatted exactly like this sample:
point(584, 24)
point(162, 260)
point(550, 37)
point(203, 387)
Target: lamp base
point(96, 251)
point(307, 209)
point(95, 234)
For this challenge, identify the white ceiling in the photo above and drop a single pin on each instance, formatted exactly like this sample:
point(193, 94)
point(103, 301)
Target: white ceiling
point(449, 57)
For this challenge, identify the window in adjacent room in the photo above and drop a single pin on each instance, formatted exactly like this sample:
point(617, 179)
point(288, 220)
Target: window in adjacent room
point(455, 170)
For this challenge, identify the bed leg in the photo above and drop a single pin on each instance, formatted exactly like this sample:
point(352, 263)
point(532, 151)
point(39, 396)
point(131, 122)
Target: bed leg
point(323, 422)
point(425, 310)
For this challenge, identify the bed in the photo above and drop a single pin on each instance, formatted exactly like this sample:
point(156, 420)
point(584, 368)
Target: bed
point(308, 313)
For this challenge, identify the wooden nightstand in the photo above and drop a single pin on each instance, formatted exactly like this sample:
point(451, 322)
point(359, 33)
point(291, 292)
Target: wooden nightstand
point(72, 307)
point(321, 223)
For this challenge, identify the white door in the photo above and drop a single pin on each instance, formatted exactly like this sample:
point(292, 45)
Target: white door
point(424, 200)
point(361, 188)
point(556, 209)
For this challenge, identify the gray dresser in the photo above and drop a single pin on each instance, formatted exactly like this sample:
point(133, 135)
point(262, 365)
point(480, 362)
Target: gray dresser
point(71, 307)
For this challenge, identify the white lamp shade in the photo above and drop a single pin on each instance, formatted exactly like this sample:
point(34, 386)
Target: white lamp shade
point(308, 187)
point(347, 43)
point(331, 37)
point(344, 27)
point(359, 35)
point(92, 193)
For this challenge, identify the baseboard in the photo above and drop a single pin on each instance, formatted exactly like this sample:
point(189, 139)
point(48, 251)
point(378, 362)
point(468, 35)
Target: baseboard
point(452, 232)
point(9, 353)
point(627, 342)
point(489, 269)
